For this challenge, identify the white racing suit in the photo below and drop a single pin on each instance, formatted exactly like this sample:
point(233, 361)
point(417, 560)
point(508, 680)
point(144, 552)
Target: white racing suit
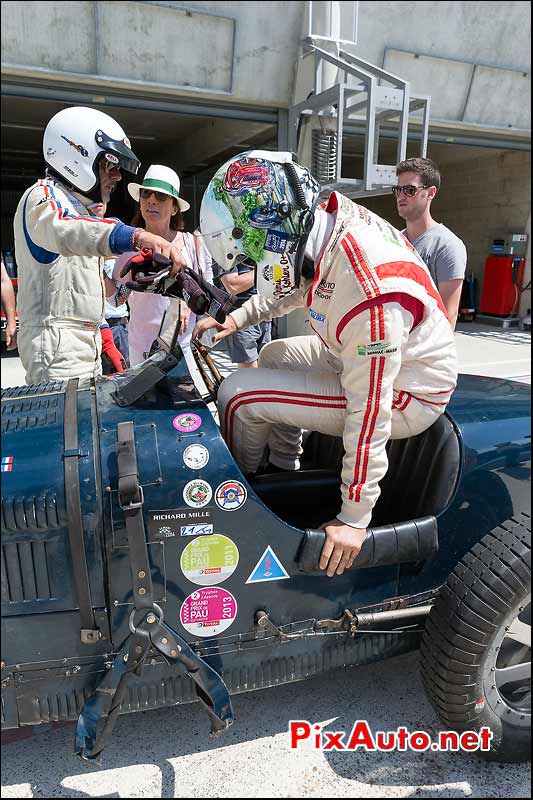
point(382, 362)
point(60, 248)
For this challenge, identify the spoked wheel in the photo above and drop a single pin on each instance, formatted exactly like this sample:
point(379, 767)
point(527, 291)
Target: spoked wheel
point(207, 369)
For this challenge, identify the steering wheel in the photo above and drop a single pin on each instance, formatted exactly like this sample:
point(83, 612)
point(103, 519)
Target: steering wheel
point(207, 369)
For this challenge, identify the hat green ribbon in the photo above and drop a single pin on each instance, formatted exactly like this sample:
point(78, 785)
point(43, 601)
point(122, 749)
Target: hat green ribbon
point(153, 183)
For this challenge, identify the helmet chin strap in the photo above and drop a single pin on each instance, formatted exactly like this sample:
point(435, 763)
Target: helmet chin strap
point(299, 261)
point(308, 268)
point(95, 194)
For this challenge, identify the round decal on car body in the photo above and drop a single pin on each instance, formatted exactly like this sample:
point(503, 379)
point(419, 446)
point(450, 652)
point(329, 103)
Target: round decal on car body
point(230, 495)
point(195, 456)
point(187, 422)
point(208, 611)
point(209, 559)
point(197, 493)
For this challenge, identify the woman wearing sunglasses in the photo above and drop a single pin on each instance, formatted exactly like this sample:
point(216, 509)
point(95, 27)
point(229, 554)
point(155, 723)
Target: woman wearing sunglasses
point(161, 211)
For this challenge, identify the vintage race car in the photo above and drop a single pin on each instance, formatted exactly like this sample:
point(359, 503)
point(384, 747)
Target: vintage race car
point(141, 569)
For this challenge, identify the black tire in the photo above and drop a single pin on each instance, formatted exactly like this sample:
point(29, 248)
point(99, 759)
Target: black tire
point(476, 632)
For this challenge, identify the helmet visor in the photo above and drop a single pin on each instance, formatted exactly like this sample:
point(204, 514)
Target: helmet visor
point(127, 160)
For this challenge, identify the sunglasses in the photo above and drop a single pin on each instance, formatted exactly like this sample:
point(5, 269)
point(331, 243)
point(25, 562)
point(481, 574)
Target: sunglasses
point(408, 190)
point(146, 193)
point(110, 166)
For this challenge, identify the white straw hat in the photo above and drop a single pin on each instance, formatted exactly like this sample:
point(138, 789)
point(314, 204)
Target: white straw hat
point(160, 179)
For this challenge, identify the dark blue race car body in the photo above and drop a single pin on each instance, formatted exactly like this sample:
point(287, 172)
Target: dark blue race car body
point(226, 569)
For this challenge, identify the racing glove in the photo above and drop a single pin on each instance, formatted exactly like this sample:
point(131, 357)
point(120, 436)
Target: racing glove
point(202, 297)
point(147, 269)
point(150, 272)
point(112, 359)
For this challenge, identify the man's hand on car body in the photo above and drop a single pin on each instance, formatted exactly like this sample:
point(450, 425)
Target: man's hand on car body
point(342, 546)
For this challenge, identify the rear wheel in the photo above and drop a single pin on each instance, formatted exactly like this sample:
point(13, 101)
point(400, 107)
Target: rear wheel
point(476, 649)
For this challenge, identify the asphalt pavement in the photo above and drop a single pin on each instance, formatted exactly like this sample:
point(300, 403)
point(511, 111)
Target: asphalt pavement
point(167, 753)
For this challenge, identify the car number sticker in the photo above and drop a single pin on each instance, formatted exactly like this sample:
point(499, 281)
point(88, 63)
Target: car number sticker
point(196, 530)
point(187, 422)
point(197, 493)
point(230, 495)
point(268, 568)
point(208, 612)
point(209, 559)
point(195, 456)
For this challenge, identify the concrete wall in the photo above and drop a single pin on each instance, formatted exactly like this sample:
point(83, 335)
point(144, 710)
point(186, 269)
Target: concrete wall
point(435, 45)
point(486, 32)
point(486, 199)
point(248, 51)
point(481, 199)
point(235, 49)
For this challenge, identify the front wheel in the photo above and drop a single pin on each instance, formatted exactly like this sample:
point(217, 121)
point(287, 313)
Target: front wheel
point(476, 648)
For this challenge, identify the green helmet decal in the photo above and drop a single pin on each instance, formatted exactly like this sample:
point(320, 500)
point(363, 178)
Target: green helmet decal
point(253, 239)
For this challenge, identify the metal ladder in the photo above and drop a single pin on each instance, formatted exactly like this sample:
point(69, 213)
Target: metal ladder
point(364, 100)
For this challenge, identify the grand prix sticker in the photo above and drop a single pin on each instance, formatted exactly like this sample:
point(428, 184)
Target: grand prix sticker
point(209, 559)
point(197, 493)
point(195, 456)
point(187, 422)
point(230, 495)
point(208, 612)
point(268, 568)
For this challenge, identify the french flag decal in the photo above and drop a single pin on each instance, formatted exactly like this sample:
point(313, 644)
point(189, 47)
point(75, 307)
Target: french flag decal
point(7, 463)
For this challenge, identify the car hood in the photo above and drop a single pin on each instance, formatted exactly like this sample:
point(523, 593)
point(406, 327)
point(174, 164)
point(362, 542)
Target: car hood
point(479, 399)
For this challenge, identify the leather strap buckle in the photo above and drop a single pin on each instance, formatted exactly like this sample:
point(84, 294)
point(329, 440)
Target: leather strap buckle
point(133, 504)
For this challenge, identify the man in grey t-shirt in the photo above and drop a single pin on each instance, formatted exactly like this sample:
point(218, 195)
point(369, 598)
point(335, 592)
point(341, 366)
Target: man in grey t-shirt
point(440, 249)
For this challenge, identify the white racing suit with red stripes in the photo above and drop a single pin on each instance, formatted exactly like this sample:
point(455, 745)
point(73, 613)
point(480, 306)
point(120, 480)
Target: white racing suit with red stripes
point(60, 249)
point(382, 362)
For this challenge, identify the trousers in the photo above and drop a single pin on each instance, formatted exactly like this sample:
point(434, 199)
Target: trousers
point(297, 386)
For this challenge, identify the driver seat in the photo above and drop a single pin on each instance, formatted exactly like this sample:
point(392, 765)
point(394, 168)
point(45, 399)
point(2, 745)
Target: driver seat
point(420, 480)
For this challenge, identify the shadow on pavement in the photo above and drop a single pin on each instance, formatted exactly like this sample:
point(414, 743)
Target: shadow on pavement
point(388, 695)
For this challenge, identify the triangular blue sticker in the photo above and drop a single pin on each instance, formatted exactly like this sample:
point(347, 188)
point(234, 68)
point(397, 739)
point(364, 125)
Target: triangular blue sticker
point(268, 568)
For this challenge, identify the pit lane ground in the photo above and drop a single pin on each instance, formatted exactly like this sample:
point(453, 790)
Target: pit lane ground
point(167, 753)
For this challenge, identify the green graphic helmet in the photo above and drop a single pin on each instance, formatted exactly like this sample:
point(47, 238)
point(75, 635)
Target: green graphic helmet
point(259, 209)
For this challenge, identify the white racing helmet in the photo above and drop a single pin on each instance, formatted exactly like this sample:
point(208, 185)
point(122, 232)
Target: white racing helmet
point(259, 209)
point(77, 138)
